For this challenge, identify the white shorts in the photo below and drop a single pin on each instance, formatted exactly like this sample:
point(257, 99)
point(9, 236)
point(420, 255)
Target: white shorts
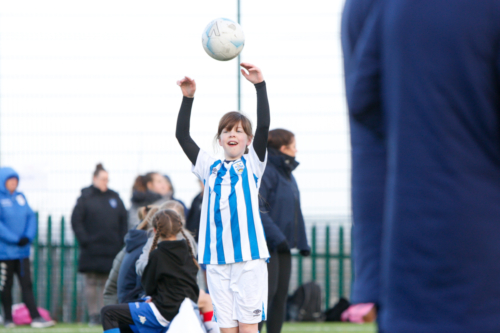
point(239, 292)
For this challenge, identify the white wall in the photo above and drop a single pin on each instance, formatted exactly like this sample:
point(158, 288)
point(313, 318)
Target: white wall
point(94, 81)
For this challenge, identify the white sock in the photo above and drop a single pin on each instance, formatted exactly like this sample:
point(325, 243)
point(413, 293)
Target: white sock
point(212, 327)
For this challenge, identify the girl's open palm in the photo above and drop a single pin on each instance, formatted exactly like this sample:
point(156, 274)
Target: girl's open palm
point(188, 86)
point(252, 73)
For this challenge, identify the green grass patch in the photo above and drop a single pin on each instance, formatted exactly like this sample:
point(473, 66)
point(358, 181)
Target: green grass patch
point(288, 328)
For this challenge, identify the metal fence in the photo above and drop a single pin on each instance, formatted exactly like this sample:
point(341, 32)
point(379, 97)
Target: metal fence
point(58, 286)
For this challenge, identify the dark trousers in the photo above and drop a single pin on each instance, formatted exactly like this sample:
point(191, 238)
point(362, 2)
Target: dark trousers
point(117, 316)
point(20, 267)
point(279, 271)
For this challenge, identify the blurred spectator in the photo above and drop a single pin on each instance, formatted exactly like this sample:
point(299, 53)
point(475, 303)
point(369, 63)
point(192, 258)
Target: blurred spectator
point(283, 221)
point(128, 282)
point(18, 227)
point(150, 189)
point(179, 208)
point(111, 288)
point(99, 221)
point(194, 215)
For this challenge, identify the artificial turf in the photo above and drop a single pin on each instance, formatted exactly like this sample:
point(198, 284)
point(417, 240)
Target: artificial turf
point(289, 327)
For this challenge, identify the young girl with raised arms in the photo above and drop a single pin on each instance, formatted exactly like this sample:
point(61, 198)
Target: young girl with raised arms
point(231, 238)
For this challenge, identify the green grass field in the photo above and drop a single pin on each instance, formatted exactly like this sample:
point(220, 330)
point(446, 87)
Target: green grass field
point(295, 328)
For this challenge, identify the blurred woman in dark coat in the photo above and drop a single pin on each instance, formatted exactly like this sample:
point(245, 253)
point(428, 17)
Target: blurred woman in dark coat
point(99, 221)
point(283, 221)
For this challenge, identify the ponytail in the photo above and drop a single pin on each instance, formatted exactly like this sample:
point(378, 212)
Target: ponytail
point(155, 240)
point(190, 248)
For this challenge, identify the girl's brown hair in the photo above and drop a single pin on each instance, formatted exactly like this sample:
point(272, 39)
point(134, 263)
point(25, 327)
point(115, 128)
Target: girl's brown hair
point(168, 224)
point(232, 119)
point(145, 215)
point(139, 184)
point(279, 137)
point(177, 206)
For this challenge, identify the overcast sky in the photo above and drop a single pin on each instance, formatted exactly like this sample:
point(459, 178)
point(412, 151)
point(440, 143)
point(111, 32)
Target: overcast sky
point(94, 81)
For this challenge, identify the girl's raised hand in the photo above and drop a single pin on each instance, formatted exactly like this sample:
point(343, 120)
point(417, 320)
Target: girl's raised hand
point(252, 73)
point(188, 86)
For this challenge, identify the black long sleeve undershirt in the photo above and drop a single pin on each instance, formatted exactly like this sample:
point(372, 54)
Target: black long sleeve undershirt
point(190, 147)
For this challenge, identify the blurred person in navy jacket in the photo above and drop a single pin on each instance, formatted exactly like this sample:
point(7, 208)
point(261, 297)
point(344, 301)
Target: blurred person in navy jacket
point(368, 159)
point(283, 221)
point(425, 77)
point(18, 228)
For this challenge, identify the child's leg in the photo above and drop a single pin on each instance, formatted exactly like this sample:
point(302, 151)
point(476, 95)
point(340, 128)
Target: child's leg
point(207, 311)
point(114, 315)
point(219, 279)
point(249, 283)
point(6, 281)
point(24, 275)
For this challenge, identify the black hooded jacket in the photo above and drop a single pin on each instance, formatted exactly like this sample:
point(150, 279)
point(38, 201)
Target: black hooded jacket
point(99, 221)
point(170, 277)
point(280, 203)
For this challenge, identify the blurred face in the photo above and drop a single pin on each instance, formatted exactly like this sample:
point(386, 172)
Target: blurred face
point(234, 142)
point(101, 181)
point(291, 149)
point(11, 184)
point(159, 184)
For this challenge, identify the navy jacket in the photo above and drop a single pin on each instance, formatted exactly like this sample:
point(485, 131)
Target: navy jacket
point(280, 203)
point(17, 220)
point(368, 151)
point(129, 283)
point(433, 67)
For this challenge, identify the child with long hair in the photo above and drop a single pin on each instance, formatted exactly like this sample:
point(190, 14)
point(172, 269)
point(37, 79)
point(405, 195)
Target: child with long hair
point(168, 279)
point(231, 236)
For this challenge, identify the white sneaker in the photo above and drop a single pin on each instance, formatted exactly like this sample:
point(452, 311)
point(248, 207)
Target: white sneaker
point(42, 323)
point(9, 324)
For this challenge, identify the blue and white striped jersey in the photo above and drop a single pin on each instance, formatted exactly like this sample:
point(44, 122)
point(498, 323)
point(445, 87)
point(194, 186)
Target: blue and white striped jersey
point(230, 225)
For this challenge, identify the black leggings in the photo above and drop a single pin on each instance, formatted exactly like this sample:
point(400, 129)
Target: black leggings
point(117, 316)
point(21, 267)
point(279, 271)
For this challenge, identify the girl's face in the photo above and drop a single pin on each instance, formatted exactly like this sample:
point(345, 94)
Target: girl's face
point(159, 184)
point(234, 142)
point(291, 149)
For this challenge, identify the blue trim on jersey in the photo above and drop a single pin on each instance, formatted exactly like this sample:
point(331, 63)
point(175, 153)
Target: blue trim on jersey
point(263, 312)
point(235, 223)
point(221, 260)
point(113, 330)
point(252, 235)
point(256, 180)
point(207, 254)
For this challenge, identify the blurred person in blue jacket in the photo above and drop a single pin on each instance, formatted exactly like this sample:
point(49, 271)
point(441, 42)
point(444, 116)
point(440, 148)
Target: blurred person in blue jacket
point(17, 230)
point(283, 221)
point(425, 77)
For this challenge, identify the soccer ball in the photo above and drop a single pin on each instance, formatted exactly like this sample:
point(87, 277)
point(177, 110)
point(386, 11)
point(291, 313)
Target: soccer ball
point(223, 39)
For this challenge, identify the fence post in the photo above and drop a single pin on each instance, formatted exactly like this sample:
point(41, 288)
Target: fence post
point(36, 260)
point(341, 261)
point(49, 264)
point(299, 272)
point(75, 280)
point(313, 253)
point(61, 273)
point(327, 267)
